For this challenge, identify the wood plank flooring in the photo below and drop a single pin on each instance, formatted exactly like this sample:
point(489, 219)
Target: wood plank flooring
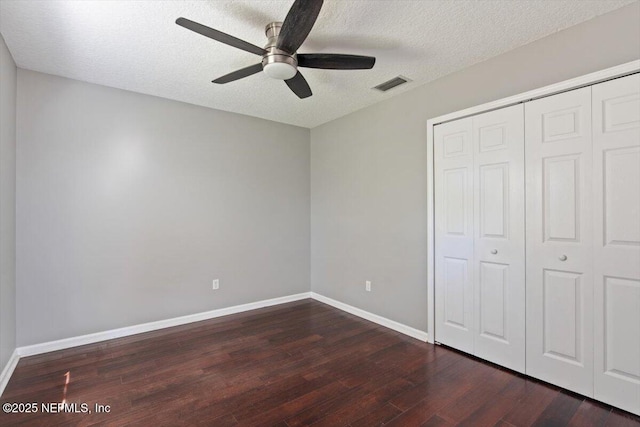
point(302, 363)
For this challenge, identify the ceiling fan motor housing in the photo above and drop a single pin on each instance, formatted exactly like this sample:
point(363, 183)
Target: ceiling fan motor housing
point(277, 63)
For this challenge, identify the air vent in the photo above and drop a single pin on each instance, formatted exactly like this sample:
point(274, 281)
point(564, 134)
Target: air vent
point(390, 84)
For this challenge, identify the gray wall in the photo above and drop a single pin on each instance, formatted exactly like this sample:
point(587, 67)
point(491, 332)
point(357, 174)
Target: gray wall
point(7, 204)
point(368, 169)
point(129, 205)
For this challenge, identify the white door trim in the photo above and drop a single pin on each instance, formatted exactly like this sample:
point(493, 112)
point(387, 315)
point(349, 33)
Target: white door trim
point(586, 80)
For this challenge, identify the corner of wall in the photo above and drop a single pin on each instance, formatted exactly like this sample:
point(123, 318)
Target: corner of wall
point(8, 88)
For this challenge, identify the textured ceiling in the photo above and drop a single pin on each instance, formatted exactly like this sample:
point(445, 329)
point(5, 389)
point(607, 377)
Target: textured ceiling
point(136, 45)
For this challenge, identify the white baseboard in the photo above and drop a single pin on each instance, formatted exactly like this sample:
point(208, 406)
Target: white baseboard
point(8, 370)
point(62, 344)
point(383, 321)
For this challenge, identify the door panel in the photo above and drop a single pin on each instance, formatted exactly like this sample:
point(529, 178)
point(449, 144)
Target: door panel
point(616, 174)
point(562, 124)
point(621, 200)
point(455, 194)
point(499, 294)
point(621, 321)
point(494, 195)
point(456, 281)
point(563, 316)
point(494, 301)
point(561, 194)
point(453, 181)
point(559, 240)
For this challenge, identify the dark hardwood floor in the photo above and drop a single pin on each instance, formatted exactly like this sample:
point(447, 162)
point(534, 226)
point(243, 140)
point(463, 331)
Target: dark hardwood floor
point(296, 364)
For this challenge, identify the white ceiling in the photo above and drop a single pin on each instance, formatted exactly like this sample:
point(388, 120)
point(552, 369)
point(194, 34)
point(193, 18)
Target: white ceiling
point(136, 45)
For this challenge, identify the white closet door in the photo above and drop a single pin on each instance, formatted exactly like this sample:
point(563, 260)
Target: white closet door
point(559, 240)
point(616, 179)
point(499, 271)
point(453, 181)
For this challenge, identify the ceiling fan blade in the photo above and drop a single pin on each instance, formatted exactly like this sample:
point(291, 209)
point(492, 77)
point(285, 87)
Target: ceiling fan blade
point(299, 86)
point(220, 36)
point(298, 24)
point(239, 74)
point(335, 61)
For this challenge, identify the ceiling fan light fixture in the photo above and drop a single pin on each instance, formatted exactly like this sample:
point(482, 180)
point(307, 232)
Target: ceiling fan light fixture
point(280, 70)
point(280, 59)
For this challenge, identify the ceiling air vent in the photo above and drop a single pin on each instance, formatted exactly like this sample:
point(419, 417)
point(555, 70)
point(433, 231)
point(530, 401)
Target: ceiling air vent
point(390, 84)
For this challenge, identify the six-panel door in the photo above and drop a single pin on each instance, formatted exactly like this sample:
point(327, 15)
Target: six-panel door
point(453, 151)
point(479, 188)
point(559, 240)
point(616, 184)
point(498, 262)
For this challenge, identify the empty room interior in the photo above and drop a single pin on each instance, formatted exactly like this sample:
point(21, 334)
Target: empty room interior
point(328, 213)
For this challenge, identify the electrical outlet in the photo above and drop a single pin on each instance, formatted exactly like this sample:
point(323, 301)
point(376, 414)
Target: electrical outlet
point(367, 286)
point(216, 284)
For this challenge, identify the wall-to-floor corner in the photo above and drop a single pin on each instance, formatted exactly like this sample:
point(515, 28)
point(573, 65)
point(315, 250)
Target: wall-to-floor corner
point(8, 73)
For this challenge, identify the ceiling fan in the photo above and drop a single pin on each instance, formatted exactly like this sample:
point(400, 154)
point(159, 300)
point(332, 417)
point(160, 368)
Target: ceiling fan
point(280, 59)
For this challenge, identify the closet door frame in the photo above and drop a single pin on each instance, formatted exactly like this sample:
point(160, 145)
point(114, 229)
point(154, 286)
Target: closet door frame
point(586, 80)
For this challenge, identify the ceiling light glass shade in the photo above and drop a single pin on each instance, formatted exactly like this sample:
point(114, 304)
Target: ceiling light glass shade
point(280, 70)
